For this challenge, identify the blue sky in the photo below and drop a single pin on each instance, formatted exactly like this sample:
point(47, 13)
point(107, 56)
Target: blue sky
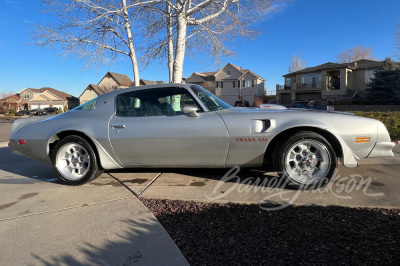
point(316, 29)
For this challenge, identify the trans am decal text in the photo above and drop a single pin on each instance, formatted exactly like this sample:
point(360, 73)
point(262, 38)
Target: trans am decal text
point(251, 139)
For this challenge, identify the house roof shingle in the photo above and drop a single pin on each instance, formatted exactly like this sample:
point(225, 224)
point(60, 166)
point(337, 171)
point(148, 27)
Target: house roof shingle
point(97, 88)
point(60, 94)
point(64, 96)
point(210, 76)
point(121, 79)
point(360, 64)
point(149, 82)
point(14, 97)
point(207, 76)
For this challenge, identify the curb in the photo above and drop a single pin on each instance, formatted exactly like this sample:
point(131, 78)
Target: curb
point(3, 144)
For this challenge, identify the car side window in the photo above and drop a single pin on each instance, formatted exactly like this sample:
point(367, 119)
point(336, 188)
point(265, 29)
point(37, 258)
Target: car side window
point(174, 104)
point(154, 102)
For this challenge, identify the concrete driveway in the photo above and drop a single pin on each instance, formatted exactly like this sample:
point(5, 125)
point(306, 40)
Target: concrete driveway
point(375, 183)
point(43, 222)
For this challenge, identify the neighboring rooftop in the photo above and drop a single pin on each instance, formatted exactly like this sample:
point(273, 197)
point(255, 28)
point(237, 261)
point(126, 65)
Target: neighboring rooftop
point(207, 76)
point(121, 79)
point(149, 82)
point(360, 64)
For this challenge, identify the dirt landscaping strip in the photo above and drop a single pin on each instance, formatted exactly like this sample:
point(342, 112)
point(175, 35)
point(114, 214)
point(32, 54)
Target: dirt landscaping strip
point(234, 234)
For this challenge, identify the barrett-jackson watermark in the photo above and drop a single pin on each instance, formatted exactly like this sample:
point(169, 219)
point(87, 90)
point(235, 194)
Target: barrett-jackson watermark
point(339, 186)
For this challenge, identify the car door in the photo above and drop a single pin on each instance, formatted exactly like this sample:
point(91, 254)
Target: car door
point(149, 129)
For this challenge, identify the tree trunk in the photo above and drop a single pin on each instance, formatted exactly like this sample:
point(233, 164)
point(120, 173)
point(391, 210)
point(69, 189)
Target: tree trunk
point(180, 48)
point(170, 45)
point(132, 53)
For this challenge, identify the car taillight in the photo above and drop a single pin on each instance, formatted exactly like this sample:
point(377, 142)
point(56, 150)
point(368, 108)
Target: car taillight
point(21, 142)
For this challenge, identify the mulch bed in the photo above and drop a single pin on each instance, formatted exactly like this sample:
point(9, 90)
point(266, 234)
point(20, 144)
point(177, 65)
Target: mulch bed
point(234, 234)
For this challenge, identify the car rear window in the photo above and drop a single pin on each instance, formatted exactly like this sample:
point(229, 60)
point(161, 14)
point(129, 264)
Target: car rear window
point(90, 105)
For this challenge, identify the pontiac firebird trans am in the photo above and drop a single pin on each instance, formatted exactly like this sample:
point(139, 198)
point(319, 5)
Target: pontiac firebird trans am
point(184, 125)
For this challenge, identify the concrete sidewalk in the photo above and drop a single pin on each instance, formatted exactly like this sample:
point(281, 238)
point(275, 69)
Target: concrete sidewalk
point(5, 127)
point(43, 222)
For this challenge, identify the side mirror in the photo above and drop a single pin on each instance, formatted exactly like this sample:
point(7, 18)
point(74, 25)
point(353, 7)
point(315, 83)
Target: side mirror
point(191, 110)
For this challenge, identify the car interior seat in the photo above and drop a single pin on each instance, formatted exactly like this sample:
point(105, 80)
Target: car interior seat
point(152, 109)
point(167, 109)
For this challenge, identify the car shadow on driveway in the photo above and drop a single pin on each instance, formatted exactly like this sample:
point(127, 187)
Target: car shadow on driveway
point(16, 169)
point(198, 177)
point(21, 170)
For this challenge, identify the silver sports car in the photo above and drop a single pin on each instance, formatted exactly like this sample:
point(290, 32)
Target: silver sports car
point(184, 125)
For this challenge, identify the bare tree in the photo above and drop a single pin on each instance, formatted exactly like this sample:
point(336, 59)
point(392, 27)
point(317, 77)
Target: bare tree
point(4, 94)
point(200, 27)
point(297, 63)
point(354, 54)
point(98, 31)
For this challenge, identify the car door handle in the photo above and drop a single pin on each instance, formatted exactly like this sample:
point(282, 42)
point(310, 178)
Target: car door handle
point(118, 126)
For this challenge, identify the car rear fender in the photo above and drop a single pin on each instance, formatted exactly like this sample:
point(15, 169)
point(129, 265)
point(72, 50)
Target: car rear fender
point(25, 121)
point(105, 159)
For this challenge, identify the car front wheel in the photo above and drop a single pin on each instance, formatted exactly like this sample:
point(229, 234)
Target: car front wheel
point(306, 160)
point(74, 161)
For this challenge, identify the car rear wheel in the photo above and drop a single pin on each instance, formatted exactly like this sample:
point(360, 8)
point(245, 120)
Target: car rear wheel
point(306, 160)
point(74, 161)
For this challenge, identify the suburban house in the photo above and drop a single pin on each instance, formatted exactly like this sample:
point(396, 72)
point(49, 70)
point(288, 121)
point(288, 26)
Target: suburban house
point(231, 83)
point(28, 99)
point(111, 81)
point(327, 81)
point(143, 82)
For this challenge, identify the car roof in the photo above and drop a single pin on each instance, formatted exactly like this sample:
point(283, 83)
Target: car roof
point(146, 87)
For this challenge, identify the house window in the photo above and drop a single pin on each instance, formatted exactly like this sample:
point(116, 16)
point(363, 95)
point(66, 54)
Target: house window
point(249, 83)
point(228, 73)
point(26, 95)
point(369, 74)
point(236, 84)
point(304, 81)
point(310, 81)
point(220, 84)
point(287, 83)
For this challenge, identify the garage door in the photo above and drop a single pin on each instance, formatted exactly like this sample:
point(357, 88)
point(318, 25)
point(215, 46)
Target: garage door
point(36, 106)
point(229, 99)
point(308, 96)
point(286, 98)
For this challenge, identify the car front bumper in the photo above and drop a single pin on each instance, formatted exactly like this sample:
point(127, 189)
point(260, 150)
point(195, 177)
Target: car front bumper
point(382, 149)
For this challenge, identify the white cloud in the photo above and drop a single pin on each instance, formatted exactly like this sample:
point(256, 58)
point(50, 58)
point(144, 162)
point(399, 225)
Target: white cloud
point(6, 15)
point(12, 4)
point(280, 7)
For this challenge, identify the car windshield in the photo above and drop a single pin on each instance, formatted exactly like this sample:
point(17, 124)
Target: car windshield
point(87, 106)
point(212, 102)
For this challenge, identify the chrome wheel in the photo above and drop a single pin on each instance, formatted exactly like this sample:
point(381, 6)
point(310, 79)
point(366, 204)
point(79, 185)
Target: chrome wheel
point(73, 161)
point(307, 161)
